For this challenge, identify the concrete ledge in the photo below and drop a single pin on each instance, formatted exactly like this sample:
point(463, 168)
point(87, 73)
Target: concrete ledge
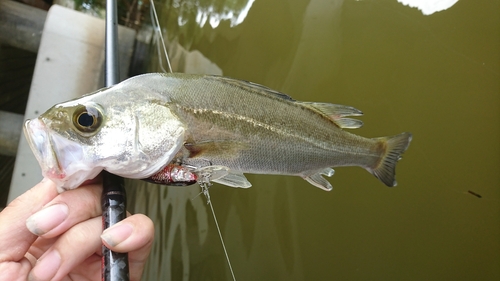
point(21, 25)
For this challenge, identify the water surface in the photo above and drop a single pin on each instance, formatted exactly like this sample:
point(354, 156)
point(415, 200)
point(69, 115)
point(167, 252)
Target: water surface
point(436, 76)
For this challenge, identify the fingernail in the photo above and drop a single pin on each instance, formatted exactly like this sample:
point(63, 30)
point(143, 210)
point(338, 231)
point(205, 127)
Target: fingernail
point(117, 234)
point(47, 219)
point(46, 267)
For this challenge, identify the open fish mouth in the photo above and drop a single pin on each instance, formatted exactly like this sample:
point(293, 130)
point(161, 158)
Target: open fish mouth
point(61, 160)
point(58, 157)
point(40, 143)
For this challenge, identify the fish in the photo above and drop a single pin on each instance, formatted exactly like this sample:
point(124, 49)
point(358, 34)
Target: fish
point(204, 124)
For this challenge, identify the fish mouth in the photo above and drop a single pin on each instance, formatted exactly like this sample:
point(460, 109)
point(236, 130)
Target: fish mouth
point(54, 153)
point(40, 143)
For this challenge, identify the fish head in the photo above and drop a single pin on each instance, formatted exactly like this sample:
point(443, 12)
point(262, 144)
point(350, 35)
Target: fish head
point(127, 131)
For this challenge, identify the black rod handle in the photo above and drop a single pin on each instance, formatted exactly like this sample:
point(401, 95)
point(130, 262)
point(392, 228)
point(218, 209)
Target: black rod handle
point(114, 204)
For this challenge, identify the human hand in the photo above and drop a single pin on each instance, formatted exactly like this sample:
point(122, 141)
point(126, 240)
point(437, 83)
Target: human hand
point(49, 236)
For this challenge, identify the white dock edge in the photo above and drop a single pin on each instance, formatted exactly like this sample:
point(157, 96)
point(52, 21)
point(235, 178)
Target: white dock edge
point(69, 64)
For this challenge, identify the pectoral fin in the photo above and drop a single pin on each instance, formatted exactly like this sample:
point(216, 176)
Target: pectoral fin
point(222, 175)
point(315, 178)
point(211, 173)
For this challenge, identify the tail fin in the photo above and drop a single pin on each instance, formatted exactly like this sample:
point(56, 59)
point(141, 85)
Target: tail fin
point(385, 170)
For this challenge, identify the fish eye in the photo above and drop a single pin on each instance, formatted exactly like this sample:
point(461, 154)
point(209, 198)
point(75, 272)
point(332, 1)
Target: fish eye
point(87, 119)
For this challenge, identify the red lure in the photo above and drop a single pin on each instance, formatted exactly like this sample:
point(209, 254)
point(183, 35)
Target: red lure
point(173, 174)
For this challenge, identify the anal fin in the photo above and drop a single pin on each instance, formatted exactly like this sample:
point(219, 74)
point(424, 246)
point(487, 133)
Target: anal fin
point(315, 178)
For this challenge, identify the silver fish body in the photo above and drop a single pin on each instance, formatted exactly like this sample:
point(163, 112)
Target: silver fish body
point(197, 121)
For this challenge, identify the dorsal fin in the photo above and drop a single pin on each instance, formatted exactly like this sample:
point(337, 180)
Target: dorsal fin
point(336, 113)
point(348, 123)
point(270, 91)
point(251, 86)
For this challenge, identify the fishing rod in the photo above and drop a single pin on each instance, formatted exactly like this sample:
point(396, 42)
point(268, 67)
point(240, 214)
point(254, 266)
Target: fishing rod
point(114, 266)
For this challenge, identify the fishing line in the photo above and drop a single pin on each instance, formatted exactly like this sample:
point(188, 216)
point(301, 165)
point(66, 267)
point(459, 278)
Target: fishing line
point(156, 26)
point(222, 241)
point(204, 190)
point(204, 186)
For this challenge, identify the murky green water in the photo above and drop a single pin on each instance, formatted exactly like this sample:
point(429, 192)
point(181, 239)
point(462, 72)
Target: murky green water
point(437, 76)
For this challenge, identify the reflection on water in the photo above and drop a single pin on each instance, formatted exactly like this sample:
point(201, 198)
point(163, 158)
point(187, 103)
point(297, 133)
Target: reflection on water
point(169, 210)
point(436, 76)
point(212, 11)
point(321, 25)
point(429, 7)
point(187, 19)
point(187, 246)
point(184, 61)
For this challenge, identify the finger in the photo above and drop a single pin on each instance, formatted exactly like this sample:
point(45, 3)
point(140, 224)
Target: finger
point(134, 235)
point(66, 210)
point(15, 238)
point(74, 248)
point(71, 249)
point(40, 246)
